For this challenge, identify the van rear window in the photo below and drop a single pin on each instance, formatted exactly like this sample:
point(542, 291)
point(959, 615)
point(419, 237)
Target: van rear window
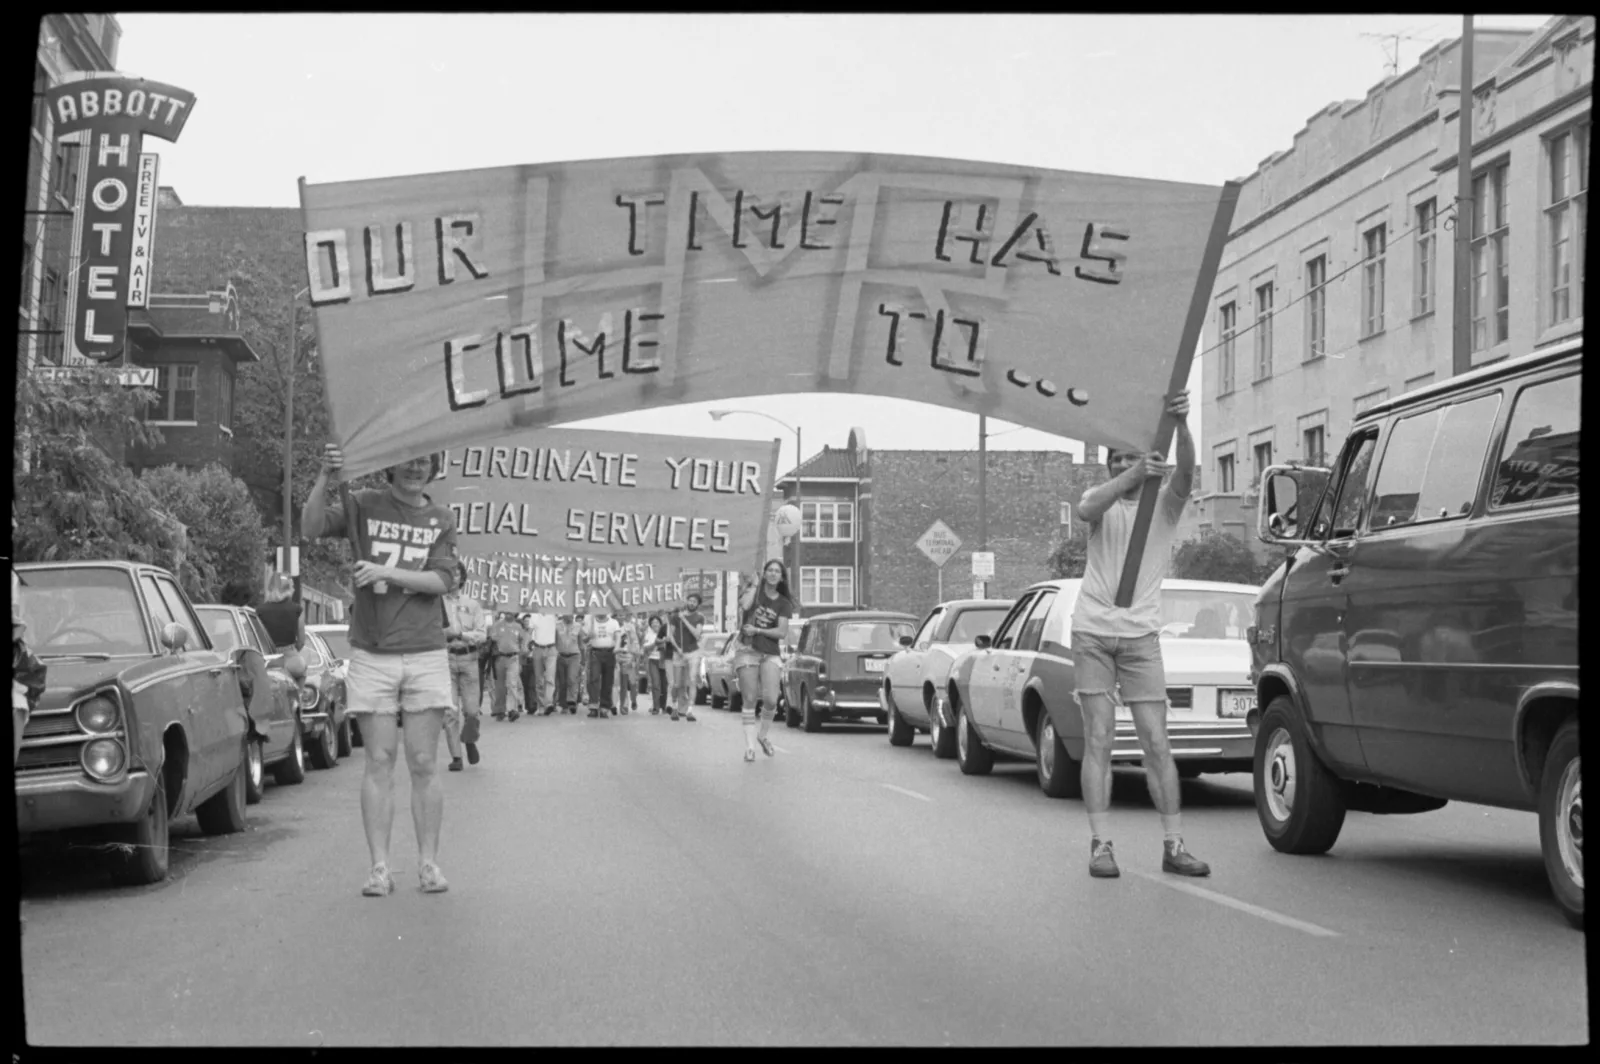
point(1539, 459)
point(867, 636)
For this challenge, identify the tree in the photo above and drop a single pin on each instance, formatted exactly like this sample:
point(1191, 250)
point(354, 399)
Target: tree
point(74, 497)
point(227, 540)
point(1215, 555)
point(1071, 556)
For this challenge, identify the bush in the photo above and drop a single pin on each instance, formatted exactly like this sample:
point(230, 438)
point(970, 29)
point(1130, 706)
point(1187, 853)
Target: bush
point(227, 542)
point(1071, 556)
point(1215, 555)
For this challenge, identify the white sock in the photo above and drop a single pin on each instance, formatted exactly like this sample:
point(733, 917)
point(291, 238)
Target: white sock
point(1098, 825)
point(1172, 826)
point(750, 736)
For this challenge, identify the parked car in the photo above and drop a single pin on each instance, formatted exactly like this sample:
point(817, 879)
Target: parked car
point(716, 669)
point(337, 637)
point(1420, 644)
point(327, 726)
point(1012, 694)
point(917, 676)
point(142, 721)
point(838, 670)
point(710, 640)
point(273, 697)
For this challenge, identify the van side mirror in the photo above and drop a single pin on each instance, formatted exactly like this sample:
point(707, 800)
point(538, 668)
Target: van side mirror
point(1289, 495)
point(983, 642)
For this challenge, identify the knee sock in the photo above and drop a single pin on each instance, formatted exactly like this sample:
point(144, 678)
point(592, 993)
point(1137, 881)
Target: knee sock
point(765, 719)
point(1172, 826)
point(749, 734)
point(1098, 825)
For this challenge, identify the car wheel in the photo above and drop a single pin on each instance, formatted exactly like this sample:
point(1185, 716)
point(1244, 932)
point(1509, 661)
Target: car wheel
point(808, 713)
point(972, 756)
point(718, 701)
point(943, 738)
point(1561, 821)
point(255, 782)
point(355, 731)
point(292, 769)
point(900, 733)
point(1059, 775)
point(791, 716)
point(345, 743)
point(702, 695)
point(325, 748)
point(1298, 800)
point(1188, 771)
point(146, 845)
point(223, 812)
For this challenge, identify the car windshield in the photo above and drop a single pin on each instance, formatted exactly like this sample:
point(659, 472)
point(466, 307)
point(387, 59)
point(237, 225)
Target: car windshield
point(970, 624)
point(82, 611)
point(1203, 614)
point(311, 655)
point(219, 626)
point(867, 636)
point(338, 641)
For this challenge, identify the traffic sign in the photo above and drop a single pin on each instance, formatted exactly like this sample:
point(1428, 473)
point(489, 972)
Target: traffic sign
point(293, 567)
point(939, 543)
point(983, 563)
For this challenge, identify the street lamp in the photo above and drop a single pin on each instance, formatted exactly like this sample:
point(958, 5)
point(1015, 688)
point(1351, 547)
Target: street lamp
point(799, 483)
point(291, 358)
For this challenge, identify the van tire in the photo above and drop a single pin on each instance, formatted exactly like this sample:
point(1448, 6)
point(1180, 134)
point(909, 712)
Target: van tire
point(809, 715)
point(1562, 758)
point(1298, 801)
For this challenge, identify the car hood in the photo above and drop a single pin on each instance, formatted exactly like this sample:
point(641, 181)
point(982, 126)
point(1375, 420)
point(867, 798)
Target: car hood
point(1205, 661)
point(67, 678)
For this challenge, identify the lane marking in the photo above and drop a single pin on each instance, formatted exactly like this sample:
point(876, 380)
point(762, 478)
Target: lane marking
point(1234, 903)
point(912, 794)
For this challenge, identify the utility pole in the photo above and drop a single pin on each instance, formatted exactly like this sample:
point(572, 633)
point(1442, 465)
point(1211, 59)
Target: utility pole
point(1461, 351)
point(291, 357)
point(983, 493)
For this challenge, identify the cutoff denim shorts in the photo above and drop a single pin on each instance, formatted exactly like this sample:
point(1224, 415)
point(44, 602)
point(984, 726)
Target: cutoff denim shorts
point(1130, 666)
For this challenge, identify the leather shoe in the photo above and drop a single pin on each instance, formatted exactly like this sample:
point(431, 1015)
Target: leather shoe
point(1102, 865)
point(1180, 862)
point(455, 764)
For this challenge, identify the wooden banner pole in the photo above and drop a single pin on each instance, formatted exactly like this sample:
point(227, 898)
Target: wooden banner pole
point(1204, 283)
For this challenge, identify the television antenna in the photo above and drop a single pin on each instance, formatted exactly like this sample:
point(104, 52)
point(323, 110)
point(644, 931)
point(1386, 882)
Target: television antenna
point(1391, 48)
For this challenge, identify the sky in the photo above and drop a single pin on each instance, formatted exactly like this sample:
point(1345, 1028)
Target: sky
point(1194, 98)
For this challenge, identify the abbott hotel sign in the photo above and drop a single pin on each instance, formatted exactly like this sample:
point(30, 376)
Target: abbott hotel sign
point(112, 232)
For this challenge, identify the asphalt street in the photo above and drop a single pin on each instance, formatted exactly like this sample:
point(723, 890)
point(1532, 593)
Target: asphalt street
point(633, 881)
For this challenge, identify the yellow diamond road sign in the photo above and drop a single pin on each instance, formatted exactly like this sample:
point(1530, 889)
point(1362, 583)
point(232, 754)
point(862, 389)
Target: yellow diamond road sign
point(939, 543)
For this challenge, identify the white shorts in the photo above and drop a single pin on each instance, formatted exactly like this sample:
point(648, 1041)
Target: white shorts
point(391, 683)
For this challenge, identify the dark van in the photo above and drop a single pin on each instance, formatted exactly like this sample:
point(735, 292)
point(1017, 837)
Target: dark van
point(838, 669)
point(1420, 645)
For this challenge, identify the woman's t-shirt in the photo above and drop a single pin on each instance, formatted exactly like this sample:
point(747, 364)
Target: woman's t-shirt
point(764, 613)
point(282, 620)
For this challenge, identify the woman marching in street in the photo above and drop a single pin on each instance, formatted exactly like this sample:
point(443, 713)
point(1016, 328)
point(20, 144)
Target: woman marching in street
point(653, 642)
point(764, 612)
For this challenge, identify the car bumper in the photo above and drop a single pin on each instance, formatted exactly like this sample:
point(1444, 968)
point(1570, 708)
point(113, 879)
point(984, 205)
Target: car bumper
point(1228, 740)
point(852, 704)
point(59, 801)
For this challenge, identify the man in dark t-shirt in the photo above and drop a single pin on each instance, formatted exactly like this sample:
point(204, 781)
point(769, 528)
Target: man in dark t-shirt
point(684, 626)
point(405, 547)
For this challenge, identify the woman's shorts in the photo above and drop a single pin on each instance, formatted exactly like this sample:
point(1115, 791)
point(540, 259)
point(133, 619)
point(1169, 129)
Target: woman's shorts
point(392, 683)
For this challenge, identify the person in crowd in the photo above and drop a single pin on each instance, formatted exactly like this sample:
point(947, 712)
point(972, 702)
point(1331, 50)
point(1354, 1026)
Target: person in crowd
point(510, 642)
point(764, 612)
point(627, 659)
point(398, 660)
point(540, 671)
point(282, 615)
point(603, 635)
point(27, 672)
point(1115, 645)
point(466, 629)
point(685, 627)
point(585, 659)
point(569, 663)
point(654, 640)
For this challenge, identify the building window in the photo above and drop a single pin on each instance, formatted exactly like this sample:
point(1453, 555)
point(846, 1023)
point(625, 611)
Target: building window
point(1311, 446)
point(1491, 274)
point(27, 273)
point(1316, 307)
point(1264, 331)
point(1427, 244)
point(1565, 220)
point(828, 521)
point(1262, 452)
point(225, 401)
point(1225, 473)
point(64, 173)
point(41, 106)
point(1227, 325)
point(49, 320)
point(827, 586)
point(1374, 249)
point(175, 388)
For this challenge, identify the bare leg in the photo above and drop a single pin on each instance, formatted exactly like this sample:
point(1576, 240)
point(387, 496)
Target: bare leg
point(1160, 770)
point(427, 790)
point(750, 695)
point(1099, 733)
point(380, 738)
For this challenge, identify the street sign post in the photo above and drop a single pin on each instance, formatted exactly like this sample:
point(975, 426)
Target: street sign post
point(939, 543)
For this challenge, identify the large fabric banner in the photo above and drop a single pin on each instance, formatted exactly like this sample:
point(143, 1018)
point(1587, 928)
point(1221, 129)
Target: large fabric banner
point(456, 307)
point(617, 498)
point(562, 584)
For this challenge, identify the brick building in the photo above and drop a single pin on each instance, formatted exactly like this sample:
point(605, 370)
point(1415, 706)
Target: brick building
point(1335, 288)
point(864, 510)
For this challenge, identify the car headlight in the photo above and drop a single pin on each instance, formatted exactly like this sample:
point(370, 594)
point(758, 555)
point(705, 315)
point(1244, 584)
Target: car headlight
point(97, 715)
point(103, 758)
point(309, 696)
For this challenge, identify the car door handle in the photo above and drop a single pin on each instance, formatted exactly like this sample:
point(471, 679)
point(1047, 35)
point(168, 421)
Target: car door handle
point(218, 671)
point(1338, 574)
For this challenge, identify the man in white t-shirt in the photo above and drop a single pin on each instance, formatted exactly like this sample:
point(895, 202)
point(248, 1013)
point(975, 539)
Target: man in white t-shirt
point(603, 635)
point(1120, 648)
